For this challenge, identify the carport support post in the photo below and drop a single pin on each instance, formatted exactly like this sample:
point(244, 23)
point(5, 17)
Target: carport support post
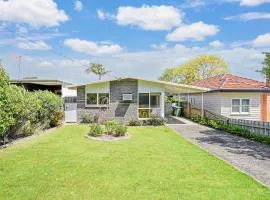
point(188, 105)
point(202, 108)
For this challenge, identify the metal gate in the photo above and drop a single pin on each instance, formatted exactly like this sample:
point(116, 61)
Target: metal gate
point(70, 109)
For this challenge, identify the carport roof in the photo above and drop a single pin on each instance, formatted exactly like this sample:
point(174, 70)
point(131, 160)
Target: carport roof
point(47, 82)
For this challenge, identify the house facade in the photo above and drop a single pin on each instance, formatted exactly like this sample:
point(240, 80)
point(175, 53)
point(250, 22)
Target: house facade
point(235, 97)
point(127, 98)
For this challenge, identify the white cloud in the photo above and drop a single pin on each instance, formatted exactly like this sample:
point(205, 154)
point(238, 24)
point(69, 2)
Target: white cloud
point(262, 40)
point(33, 12)
point(38, 45)
point(193, 3)
point(104, 15)
point(90, 47)
point(149, 17)
point(216, 44)
point(249, 16)
point(253, 2)
point(45, 64)
point(78, 6)
point(196, 31)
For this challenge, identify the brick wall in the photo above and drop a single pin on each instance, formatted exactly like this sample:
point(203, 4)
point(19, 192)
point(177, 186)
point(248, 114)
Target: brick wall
point(117, 109)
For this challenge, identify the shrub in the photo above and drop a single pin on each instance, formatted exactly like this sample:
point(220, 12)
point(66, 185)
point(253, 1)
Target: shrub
point(110, 126)
point(87, 119)
point(23, 111)
point(51, 105)
point(156, 121)
point(96, 130)
point(29, 129)
point(120, 130)
point(135, 123)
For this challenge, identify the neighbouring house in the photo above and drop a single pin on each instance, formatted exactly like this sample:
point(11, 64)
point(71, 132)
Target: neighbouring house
point(126, 98)
point(234, 97)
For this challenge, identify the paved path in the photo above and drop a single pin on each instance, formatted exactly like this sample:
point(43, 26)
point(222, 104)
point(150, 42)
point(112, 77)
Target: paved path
point(250, 157)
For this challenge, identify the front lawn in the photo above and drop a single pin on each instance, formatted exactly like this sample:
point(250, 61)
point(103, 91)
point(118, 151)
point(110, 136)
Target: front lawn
point(154, 163)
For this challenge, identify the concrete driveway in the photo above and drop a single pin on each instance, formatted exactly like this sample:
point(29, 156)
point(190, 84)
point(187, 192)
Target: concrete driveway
point(251, 157)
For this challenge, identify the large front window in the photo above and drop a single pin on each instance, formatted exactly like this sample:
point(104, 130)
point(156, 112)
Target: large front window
point(240, 106)
point(149, 104)
point(95, 99)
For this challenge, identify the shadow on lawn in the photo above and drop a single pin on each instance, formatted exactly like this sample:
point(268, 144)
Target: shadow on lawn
point(235, 144)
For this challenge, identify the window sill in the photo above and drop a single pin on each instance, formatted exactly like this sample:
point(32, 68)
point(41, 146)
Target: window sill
point(240, 114)
point(96, 106)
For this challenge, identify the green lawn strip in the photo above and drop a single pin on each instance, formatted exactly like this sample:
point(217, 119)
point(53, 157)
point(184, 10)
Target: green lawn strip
point(155, 163)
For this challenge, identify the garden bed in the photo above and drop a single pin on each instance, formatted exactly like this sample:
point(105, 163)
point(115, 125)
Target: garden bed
point(108, 137)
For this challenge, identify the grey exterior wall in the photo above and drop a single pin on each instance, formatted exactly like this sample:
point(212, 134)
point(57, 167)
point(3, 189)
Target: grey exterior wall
point(117, 109)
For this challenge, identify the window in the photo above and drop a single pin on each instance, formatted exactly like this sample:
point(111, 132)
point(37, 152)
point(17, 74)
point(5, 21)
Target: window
point(236, 105)
point(97, 99)
point(240, 106)
point(103, 98)
point(245, 106)
point(91, 98)
point(144, 100)
point(148, 103)
point(154, 100)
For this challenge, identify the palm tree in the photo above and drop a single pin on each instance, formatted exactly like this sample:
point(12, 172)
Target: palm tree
point(97, 69)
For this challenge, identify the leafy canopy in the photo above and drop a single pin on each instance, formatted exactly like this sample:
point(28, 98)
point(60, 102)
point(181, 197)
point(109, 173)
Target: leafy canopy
point(266, 66)
point(199, 68)
point(97, 69)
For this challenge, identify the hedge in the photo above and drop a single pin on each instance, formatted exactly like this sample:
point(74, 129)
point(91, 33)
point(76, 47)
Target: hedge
point(23, 112)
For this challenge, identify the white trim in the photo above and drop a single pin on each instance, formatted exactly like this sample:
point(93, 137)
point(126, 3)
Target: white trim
point(240, 106)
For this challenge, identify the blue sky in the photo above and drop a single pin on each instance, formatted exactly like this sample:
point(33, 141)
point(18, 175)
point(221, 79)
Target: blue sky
point(131, 38)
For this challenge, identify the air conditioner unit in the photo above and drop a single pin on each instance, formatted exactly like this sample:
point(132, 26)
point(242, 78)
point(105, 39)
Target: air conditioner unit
point(127, 97)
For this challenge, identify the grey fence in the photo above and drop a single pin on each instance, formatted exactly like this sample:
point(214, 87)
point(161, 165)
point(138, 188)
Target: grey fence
point(255, 127)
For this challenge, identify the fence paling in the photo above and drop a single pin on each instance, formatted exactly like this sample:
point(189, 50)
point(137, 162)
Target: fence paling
point(255, 127)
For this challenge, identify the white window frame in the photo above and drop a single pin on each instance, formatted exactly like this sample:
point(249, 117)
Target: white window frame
point(240, 105)
point(127, 97)
point(97, 104)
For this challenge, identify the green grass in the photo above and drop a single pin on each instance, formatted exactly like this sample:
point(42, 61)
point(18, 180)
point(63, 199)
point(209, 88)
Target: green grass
point(154, 163)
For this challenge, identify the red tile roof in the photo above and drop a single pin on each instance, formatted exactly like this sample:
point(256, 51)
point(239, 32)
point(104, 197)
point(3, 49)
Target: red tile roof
point(229, 81)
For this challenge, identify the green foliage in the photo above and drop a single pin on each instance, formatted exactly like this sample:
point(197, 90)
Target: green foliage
point(97, 69)
point(4, 79)
point(120, 130)
point(156, 121)
point(27, 112)
point(266, 66)
point(110, 126)
point(87, 119)
point(96, 130)
point(51, 108)
point(135, 123)
point(199, 68)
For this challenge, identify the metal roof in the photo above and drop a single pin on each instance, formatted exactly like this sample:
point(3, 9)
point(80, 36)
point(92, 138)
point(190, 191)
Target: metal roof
point(172, 86)
point(40, 81)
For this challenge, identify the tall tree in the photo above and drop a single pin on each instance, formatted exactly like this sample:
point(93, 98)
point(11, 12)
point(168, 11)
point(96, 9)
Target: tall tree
point(97, 69)
point(266, 66)
point(199, 68)
point(4, 79)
